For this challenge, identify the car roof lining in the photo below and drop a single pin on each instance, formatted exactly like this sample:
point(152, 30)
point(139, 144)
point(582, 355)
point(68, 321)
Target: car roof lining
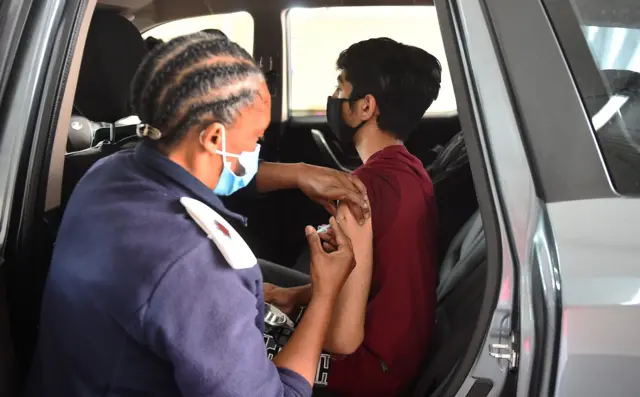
point(153, 12)
point(148, 13)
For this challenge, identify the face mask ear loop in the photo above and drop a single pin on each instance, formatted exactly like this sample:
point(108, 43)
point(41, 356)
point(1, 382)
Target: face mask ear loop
point(222, 152)
point(224, 147)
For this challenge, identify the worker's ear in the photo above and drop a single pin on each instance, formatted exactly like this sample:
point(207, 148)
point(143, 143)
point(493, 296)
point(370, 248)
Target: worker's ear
point(211, 138)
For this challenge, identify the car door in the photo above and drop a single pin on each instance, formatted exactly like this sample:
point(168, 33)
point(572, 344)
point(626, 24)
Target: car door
point(501, 72)
point(36, 41)
point(13, 15)
point(566, 183)
point(578, 101)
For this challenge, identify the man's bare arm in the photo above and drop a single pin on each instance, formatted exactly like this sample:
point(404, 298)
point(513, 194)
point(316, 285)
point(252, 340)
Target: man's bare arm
point(346, 330)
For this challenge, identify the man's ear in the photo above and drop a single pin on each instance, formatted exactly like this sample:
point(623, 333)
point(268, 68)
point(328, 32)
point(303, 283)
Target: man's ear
point(369, 107)
point(211, 138)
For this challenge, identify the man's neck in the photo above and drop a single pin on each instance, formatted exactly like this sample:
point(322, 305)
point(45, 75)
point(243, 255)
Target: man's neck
point(370, 140)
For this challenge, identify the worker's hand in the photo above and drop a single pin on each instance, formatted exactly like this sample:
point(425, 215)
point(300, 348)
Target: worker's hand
point(326, 185)
point(329, 271)
point(285, 299)
point(328, 238)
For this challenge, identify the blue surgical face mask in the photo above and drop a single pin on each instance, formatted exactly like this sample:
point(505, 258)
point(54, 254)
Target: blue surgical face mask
point(229, 182)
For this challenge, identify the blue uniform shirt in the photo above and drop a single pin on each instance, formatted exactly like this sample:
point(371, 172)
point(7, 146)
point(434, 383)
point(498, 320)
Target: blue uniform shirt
point(139, 301)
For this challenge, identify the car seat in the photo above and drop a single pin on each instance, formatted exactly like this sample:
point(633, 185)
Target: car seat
point(453, 186)
point(459, 296)
point(113, 52)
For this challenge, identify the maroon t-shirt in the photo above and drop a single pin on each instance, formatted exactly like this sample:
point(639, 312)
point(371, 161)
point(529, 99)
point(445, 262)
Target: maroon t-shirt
point(401, 309)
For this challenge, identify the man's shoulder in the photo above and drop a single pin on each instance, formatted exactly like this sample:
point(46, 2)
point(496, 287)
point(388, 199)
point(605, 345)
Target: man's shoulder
point(391, 176)
point(396, 184)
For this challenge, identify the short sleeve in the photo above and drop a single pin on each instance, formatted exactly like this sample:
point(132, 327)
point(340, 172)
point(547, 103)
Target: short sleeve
point(382, 190)
point(202, 319)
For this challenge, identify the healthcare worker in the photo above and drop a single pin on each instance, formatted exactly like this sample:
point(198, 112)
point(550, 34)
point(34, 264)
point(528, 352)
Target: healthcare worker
point(151, 292)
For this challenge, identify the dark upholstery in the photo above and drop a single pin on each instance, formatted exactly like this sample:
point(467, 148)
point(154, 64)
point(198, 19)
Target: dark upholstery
point(112, 54)
point(454, 190)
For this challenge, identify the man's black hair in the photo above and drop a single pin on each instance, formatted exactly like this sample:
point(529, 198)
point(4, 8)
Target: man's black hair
point(405, 80)
point(193, 80)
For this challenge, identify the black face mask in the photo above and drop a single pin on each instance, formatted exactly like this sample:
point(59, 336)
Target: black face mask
point(340, 129)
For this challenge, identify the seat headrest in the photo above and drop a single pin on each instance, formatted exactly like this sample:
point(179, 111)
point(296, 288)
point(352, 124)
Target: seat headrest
point(112, 54)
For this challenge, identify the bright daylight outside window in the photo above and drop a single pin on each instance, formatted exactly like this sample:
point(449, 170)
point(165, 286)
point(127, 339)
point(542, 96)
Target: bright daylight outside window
point(238, 26)
point(316, 36)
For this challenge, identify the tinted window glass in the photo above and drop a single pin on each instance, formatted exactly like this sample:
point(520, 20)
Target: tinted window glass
point(604, 56)
point(313, 48)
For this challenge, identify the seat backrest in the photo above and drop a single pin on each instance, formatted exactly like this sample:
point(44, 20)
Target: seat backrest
point(113, 52)
point(467, 250)
point(454, 190)
point(460, 291)
point(450, 157)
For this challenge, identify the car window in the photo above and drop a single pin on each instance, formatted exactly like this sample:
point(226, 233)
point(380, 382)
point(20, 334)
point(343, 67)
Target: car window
point(238, 26)
point(612, 34)
point(316, 36)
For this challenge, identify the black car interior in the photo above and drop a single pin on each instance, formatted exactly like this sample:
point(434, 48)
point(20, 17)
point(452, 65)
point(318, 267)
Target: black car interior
point(113, 51)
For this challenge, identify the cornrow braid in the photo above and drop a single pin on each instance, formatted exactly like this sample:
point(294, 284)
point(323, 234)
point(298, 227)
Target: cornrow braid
point(170, 63)
point(196, 53)
point(191, 81)
point(204, 80)
point(207, 114)
point(143, 73)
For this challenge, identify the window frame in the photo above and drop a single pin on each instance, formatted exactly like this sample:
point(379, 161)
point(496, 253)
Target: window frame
point(561, 146)
point(586, 74)
point(32, 107)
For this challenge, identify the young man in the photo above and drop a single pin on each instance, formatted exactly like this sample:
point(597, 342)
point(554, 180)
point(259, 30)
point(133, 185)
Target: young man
point(385, 314)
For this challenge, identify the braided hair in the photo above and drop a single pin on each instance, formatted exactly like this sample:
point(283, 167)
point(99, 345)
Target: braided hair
point(192, 81)
point(216, 32)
